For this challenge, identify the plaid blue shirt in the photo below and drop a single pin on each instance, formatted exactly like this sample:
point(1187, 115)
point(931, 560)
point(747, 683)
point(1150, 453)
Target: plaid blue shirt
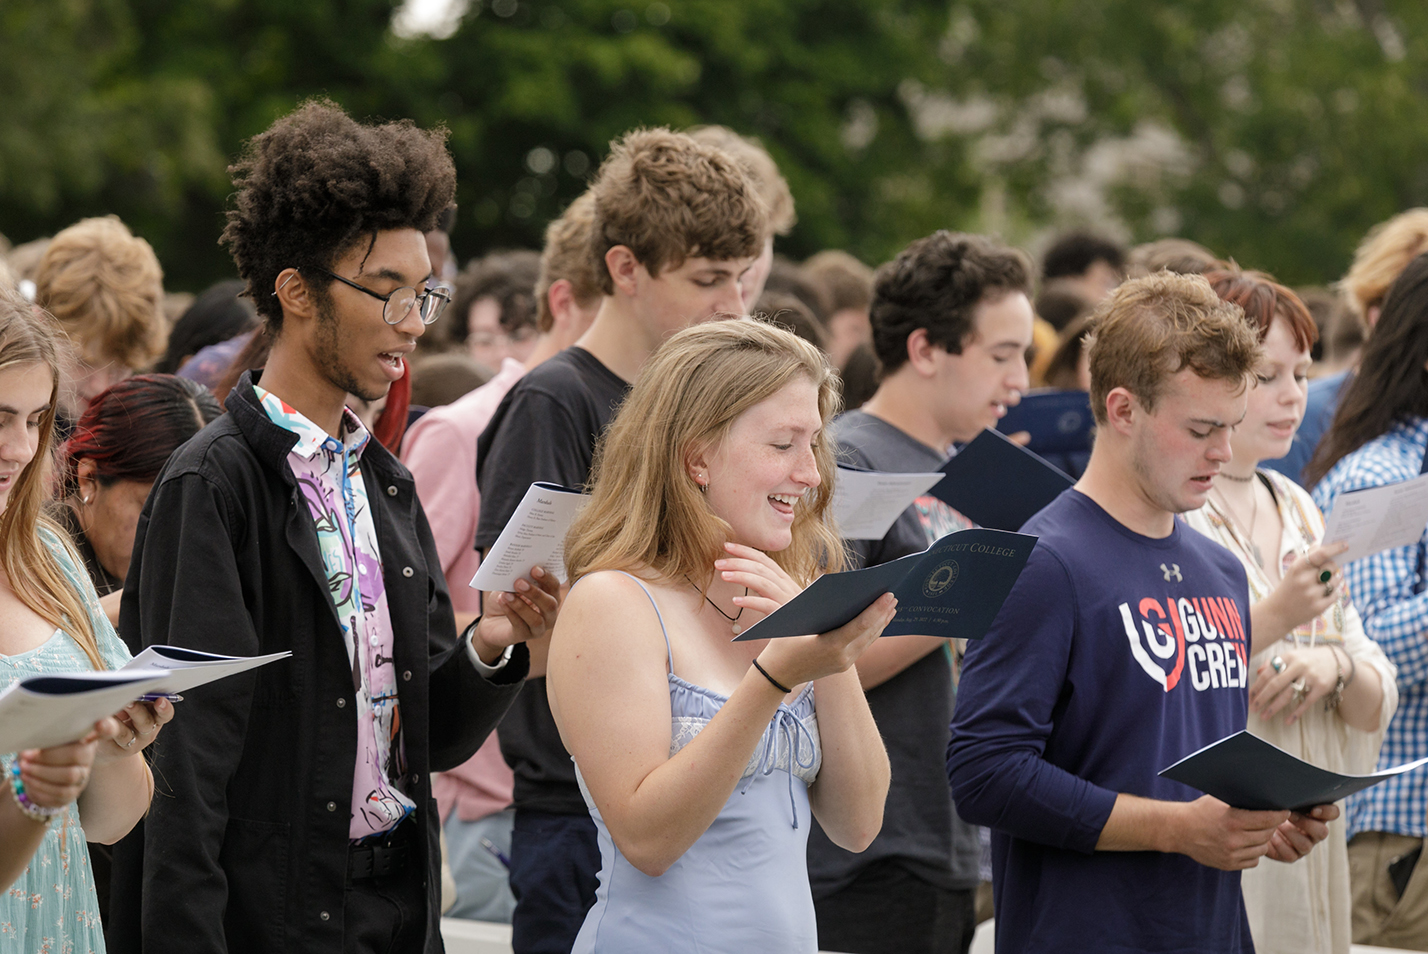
point(1394, 605)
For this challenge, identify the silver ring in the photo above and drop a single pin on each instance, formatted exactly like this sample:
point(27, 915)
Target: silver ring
point(1328, 591)
point(1277, 664)
point(1300, 687)
point(130, 743)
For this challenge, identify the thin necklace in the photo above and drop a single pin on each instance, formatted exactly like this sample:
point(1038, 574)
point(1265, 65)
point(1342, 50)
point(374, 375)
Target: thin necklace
point(1238, 480)
point(732, 619)
point(1238, 528)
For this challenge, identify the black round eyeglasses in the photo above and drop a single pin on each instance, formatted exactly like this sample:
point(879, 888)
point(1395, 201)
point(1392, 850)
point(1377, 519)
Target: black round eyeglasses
point(398, 303)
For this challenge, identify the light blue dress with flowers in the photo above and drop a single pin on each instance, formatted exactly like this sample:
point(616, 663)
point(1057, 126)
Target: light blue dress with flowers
point(52, 907)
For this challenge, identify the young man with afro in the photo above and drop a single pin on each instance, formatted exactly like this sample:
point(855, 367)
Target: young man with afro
point(294, 810)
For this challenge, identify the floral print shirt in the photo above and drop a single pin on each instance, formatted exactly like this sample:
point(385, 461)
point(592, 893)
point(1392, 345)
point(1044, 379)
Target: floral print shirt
point(329, 474)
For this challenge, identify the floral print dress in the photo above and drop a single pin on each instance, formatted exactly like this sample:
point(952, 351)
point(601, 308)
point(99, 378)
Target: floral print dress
point(52, 908)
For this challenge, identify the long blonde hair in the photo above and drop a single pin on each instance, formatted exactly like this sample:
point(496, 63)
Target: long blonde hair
point(646, 511)
point(30, 336)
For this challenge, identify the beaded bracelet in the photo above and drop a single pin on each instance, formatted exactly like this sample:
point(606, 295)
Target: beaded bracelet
point(17, 789)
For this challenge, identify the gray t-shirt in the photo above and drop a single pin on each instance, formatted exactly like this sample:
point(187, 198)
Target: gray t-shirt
point(914, 708)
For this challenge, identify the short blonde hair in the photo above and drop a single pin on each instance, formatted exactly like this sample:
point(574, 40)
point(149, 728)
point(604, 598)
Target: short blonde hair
point(1381, 257)
point(106, 289)
point(645, 510)
point(668, 199)
point(770, 183)
point(1151, 328)
point(567, 256)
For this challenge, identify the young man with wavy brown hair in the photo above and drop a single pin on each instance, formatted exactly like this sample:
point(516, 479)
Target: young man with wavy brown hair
point(676, 225)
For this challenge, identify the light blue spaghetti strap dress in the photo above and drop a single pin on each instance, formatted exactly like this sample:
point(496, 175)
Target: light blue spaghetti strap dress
point(743, 886)
point(52, 907)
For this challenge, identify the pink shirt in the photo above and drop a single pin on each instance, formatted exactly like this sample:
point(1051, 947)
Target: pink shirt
point(440, 451)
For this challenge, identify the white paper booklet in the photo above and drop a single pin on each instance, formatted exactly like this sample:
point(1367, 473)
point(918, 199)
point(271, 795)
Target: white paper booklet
point(866, 503)
point(41, 711)
point(534, 536)
point(192, 668)
point(1379, 518)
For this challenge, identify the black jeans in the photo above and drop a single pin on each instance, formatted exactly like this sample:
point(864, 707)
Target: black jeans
point(889, 910)
point(555, 868)
point(386, 915)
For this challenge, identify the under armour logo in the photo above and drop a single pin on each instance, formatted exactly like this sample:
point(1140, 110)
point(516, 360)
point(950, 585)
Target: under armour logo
point(1172, 570)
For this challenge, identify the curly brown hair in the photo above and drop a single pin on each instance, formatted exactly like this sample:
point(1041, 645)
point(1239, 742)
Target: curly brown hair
point(668, 198)
point(1151, 328)
point(936, 283)
point(317, 183)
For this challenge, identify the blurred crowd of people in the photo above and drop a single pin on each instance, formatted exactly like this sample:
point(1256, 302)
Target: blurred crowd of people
point(601, 767)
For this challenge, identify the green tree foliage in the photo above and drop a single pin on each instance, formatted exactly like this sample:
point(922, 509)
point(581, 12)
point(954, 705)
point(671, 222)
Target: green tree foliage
point(535, 91)
point(1276, 131)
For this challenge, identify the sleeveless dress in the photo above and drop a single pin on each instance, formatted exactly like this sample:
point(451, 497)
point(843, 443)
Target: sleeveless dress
point(743, 886)
point(1305, 908)
point(52, 907)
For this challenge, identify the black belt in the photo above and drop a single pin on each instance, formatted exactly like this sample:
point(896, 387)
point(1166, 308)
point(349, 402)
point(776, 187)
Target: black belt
point(383, 856)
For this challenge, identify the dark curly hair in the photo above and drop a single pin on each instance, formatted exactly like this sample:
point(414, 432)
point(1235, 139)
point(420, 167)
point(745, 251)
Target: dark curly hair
point(1073, 254)
point(935, 283)
point(510, 278)
point(317, 183)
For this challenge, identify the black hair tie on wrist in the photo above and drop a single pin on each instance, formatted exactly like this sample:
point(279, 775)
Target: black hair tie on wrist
point(776, 684)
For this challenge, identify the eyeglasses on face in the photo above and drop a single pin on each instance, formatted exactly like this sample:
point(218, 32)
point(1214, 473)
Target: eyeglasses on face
point(397, 304)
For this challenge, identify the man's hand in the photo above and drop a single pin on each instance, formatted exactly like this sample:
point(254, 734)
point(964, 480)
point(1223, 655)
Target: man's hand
point(1296, 837)
point(1230, 839)
point(507, 618)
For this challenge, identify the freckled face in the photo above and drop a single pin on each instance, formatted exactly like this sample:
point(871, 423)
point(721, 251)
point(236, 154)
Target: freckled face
point(759, 474)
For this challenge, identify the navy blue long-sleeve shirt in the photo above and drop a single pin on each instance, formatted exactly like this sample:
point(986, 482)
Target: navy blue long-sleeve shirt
point(1114, 656)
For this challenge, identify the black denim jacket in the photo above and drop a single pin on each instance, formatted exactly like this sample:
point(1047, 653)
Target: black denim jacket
point(245, 846)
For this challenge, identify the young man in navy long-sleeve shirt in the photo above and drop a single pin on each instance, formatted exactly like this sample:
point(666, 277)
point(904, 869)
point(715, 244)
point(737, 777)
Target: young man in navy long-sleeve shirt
point(1122, 649)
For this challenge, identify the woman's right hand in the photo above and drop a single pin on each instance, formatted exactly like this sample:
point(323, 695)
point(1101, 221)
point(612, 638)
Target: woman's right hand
point(1301, 595)
point(798, 659)
point(56, 776)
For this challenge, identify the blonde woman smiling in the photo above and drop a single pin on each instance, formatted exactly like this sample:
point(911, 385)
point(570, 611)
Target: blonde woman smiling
point(701, 758)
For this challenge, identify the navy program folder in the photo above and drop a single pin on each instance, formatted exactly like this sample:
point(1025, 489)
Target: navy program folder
point(953, 588)
point(1244, 771)
point(997, 483)
point(1059, 422)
